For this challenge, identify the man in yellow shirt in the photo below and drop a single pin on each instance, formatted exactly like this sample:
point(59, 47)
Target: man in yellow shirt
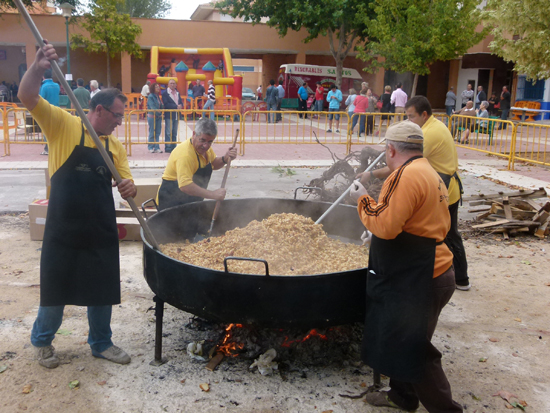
point(440, 151)
point(410, 276)
point(79, 263)
point(190, 167)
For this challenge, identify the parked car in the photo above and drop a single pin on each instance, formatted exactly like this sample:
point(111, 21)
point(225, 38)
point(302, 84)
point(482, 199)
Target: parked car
point(248, 94)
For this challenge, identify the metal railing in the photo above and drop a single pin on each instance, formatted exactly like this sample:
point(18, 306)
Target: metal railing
point(139, 132)
point(532, 143)
point(304, 127)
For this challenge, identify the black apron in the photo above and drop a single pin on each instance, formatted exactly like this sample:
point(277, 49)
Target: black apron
point(170, 194)
point(80, 258)
point(399, 297)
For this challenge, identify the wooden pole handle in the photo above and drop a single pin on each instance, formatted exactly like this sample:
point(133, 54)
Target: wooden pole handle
point(225, 175)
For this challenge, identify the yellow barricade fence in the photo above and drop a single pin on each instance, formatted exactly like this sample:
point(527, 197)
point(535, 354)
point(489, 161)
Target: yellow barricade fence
point(532, 143)
point(488, 135)
point(222, 103)
point(370, 128)
point(152, 129)
point(262, 127)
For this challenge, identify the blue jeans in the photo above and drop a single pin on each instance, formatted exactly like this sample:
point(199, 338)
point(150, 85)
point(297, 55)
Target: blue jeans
point(271, 116)
point(319, 105)
point(170, 130)
point(361, 118)
point(155, 125)
point(49, 320)
point(209, 105)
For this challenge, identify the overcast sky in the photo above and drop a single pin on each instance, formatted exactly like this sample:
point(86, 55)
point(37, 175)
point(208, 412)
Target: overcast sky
point(183, 9)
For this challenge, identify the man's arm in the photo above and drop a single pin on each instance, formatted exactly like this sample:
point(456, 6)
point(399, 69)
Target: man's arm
point(392, 99)
point(381, 174)
point(218, 163)
point(195, 190)
point(29, 88)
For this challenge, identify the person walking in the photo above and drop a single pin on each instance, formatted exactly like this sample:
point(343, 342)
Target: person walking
point(302, 100)
point(271, 96)
point(334, 98)
point(211, 100)
point(154, 118)
point(450, 102)
point(281, 91)
point(352, 95)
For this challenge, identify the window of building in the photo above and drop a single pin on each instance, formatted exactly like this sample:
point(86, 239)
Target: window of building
point(529, 91)
point(243, 68)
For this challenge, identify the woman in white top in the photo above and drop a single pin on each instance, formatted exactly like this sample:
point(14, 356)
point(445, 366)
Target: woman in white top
point(350, 100)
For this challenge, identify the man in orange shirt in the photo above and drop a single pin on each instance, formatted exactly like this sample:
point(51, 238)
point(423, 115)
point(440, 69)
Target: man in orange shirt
point(410, 277)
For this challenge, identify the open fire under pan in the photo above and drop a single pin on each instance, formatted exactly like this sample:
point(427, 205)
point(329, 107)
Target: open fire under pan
point(306, 301)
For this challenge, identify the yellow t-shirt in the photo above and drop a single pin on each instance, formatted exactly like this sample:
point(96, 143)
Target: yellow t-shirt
point(63, 132)
point(413, 199)
point(183, 163)
point(440, 151)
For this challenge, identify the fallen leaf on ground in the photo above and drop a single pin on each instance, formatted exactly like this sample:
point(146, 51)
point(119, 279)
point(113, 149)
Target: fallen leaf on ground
point(102, 383)
point(64, 332)
point(328, 411)
point(525, 262)
point(517, 319)
point(363, 384)
point(27, 388)
point(205, 387)
point(483, 359)
point(494, 340)
point(75, 384)
point(547, 284)
point(3, 368)
point(182, 381)
point(506, 395)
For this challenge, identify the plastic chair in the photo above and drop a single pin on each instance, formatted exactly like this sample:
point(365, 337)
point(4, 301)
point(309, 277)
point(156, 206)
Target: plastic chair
point(262, 106)
point(247, 107)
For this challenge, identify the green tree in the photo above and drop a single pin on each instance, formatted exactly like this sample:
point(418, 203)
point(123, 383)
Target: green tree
point(149, 9)
point(9, 4)
point(110, 33)
point(412, 34)
point(335, 19)
point(522, 34)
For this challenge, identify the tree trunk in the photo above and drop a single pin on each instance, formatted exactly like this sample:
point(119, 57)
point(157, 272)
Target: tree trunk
point(415, 83)
point(108, 69)
point(344, 46)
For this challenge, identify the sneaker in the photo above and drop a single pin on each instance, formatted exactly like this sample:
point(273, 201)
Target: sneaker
point(46, 357)
point(381, 399)
point(329, 130)
point(337, 131)
point(151, 151)
point(114, 354)
point(463, 286)
point(157, 151)
point(44, 153)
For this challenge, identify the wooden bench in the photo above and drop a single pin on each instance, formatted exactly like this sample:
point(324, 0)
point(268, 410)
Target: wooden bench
point(530, 116)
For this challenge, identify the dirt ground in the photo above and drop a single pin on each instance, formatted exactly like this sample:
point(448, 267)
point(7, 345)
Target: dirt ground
point(494, 338)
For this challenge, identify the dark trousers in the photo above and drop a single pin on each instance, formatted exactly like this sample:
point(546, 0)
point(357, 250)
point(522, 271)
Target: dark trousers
point(302, 107)
point(434, 391)
point(370, 124)
point(279, 116)
point(454, 242)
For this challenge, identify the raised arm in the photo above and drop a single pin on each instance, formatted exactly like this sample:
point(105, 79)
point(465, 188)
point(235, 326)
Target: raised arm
point(29, 88)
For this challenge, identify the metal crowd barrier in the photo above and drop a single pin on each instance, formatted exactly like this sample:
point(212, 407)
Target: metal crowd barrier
point(137, 127)
point(379, 123)
point(532, 143)
point(488, 135)
point(263, 127)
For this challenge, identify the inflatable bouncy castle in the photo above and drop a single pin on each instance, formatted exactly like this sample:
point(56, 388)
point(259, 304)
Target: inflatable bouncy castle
point(186, 65)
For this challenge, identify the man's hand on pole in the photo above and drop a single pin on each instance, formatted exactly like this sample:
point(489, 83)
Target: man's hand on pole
point(219, 194)
point(126, 188)
point(230, 154)
point(44, 55)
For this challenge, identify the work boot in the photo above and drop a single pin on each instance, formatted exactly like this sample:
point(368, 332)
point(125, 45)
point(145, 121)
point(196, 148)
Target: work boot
point(46, 357)
point(381, 399)
point(114, 354)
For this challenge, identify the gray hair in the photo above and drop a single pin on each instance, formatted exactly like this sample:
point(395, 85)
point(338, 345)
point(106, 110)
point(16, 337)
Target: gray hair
point(485, 103)
point(406, 147)
point(94, 84)
point(206, 126)
point(106, 97)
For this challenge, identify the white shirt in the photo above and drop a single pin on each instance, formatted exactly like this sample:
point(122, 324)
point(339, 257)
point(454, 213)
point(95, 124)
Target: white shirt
point(93, 93)
point(399, 98)
point(145, 91)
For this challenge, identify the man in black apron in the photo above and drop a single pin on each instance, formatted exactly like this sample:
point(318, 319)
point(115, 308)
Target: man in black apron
point(80, 260)
point(410, 276)
point(190, 167)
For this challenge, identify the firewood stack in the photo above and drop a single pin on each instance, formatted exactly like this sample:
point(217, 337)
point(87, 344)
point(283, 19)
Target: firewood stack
point(512, 213)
